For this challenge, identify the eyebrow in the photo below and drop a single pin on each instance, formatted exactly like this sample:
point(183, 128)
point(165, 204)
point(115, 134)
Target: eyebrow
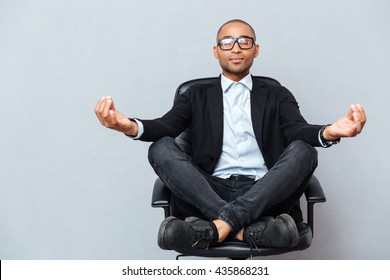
point(241, 36)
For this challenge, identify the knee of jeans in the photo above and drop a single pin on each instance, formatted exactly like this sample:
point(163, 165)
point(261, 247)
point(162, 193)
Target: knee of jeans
point(160, 148)
point(305, 150)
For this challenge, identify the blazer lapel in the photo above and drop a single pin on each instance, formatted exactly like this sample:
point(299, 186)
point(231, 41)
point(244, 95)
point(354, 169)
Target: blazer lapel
point(215, 99)
point(259, 97)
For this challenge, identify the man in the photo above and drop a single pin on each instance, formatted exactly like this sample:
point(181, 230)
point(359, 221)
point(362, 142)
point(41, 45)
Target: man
point(252, 152)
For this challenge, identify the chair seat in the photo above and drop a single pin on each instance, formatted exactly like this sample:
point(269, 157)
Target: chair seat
point(235, 249)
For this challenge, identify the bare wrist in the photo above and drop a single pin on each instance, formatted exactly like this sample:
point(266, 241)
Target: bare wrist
point(133, 129)
point(325, 134)
point(326, 138)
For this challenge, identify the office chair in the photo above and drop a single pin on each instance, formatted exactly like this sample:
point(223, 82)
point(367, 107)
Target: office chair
point(231, 248)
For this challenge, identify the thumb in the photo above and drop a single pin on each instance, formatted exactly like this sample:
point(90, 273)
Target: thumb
point(112, 114)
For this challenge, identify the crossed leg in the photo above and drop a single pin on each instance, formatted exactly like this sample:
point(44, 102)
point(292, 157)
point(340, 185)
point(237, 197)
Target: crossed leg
point(201, 194)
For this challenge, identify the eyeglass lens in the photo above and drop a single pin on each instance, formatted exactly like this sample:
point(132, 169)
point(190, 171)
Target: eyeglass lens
point(243, 42)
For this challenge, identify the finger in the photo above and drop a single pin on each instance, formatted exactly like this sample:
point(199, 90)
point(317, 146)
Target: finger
point(357, 127)
point(358, 108)
point(358, 118)
point(112, 117)
point(362, 113)
point(102, 110)
point(99, 107)
point(107, 106)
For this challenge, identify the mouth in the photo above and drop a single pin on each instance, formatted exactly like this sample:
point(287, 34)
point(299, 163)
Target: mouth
point(236, 59)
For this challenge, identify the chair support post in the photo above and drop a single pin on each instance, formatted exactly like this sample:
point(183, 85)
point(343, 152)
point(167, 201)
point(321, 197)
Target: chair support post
point(310, 216)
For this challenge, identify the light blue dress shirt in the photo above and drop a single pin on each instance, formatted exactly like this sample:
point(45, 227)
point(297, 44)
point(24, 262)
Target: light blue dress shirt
point(240, 153)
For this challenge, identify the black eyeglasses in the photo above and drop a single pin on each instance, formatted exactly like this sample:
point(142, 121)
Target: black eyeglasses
point(244, 42)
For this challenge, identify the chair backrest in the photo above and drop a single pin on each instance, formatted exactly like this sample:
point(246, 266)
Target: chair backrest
point(184, 86)
point(184, 139)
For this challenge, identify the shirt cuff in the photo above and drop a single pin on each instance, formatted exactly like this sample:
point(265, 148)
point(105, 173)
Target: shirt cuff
point(323, 142)
point(140, 129)
point(320, 139)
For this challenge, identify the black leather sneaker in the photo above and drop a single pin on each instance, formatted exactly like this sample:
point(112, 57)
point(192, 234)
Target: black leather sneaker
point(269, 232)
point(192, 233)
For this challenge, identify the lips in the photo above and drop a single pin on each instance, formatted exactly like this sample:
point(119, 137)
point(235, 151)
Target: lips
point(236, 59)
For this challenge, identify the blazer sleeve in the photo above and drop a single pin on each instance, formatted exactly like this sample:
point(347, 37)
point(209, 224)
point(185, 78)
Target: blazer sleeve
point(175, 121)
point(293, 124)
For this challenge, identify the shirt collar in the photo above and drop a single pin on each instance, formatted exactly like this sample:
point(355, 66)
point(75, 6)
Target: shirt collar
point(226, 82)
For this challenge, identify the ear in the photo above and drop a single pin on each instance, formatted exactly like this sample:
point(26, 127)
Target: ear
point(215, 50)
point(257, 50)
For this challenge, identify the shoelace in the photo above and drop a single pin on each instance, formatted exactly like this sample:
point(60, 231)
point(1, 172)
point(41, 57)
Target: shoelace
point(251, 243)
point(208, 243)
point(201, 234)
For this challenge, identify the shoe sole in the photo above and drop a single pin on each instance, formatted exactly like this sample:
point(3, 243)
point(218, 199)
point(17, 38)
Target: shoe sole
point(161, 232)
point(292, 226)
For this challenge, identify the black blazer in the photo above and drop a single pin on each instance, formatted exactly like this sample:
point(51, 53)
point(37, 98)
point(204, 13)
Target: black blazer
point(275, 117)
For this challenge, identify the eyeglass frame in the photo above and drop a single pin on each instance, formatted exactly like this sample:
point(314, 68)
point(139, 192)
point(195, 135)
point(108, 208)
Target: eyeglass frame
point(236, 41)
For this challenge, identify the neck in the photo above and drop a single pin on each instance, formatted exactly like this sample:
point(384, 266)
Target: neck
point(236, 77)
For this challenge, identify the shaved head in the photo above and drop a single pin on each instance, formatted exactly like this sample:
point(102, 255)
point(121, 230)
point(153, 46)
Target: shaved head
point(236, 21)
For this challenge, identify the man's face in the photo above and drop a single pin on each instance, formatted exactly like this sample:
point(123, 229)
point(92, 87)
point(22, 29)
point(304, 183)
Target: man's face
point(236, 62)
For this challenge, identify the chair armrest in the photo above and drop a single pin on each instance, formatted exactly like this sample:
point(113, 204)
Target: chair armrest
point(314, 192)
point(161, 196)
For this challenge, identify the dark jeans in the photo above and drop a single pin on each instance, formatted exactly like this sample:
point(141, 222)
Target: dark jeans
point(238, 200)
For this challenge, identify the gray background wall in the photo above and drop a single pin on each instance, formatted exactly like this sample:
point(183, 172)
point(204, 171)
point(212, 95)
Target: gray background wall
point(71, 189)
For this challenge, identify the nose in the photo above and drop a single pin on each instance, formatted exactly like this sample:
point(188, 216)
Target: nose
point(236, 48)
